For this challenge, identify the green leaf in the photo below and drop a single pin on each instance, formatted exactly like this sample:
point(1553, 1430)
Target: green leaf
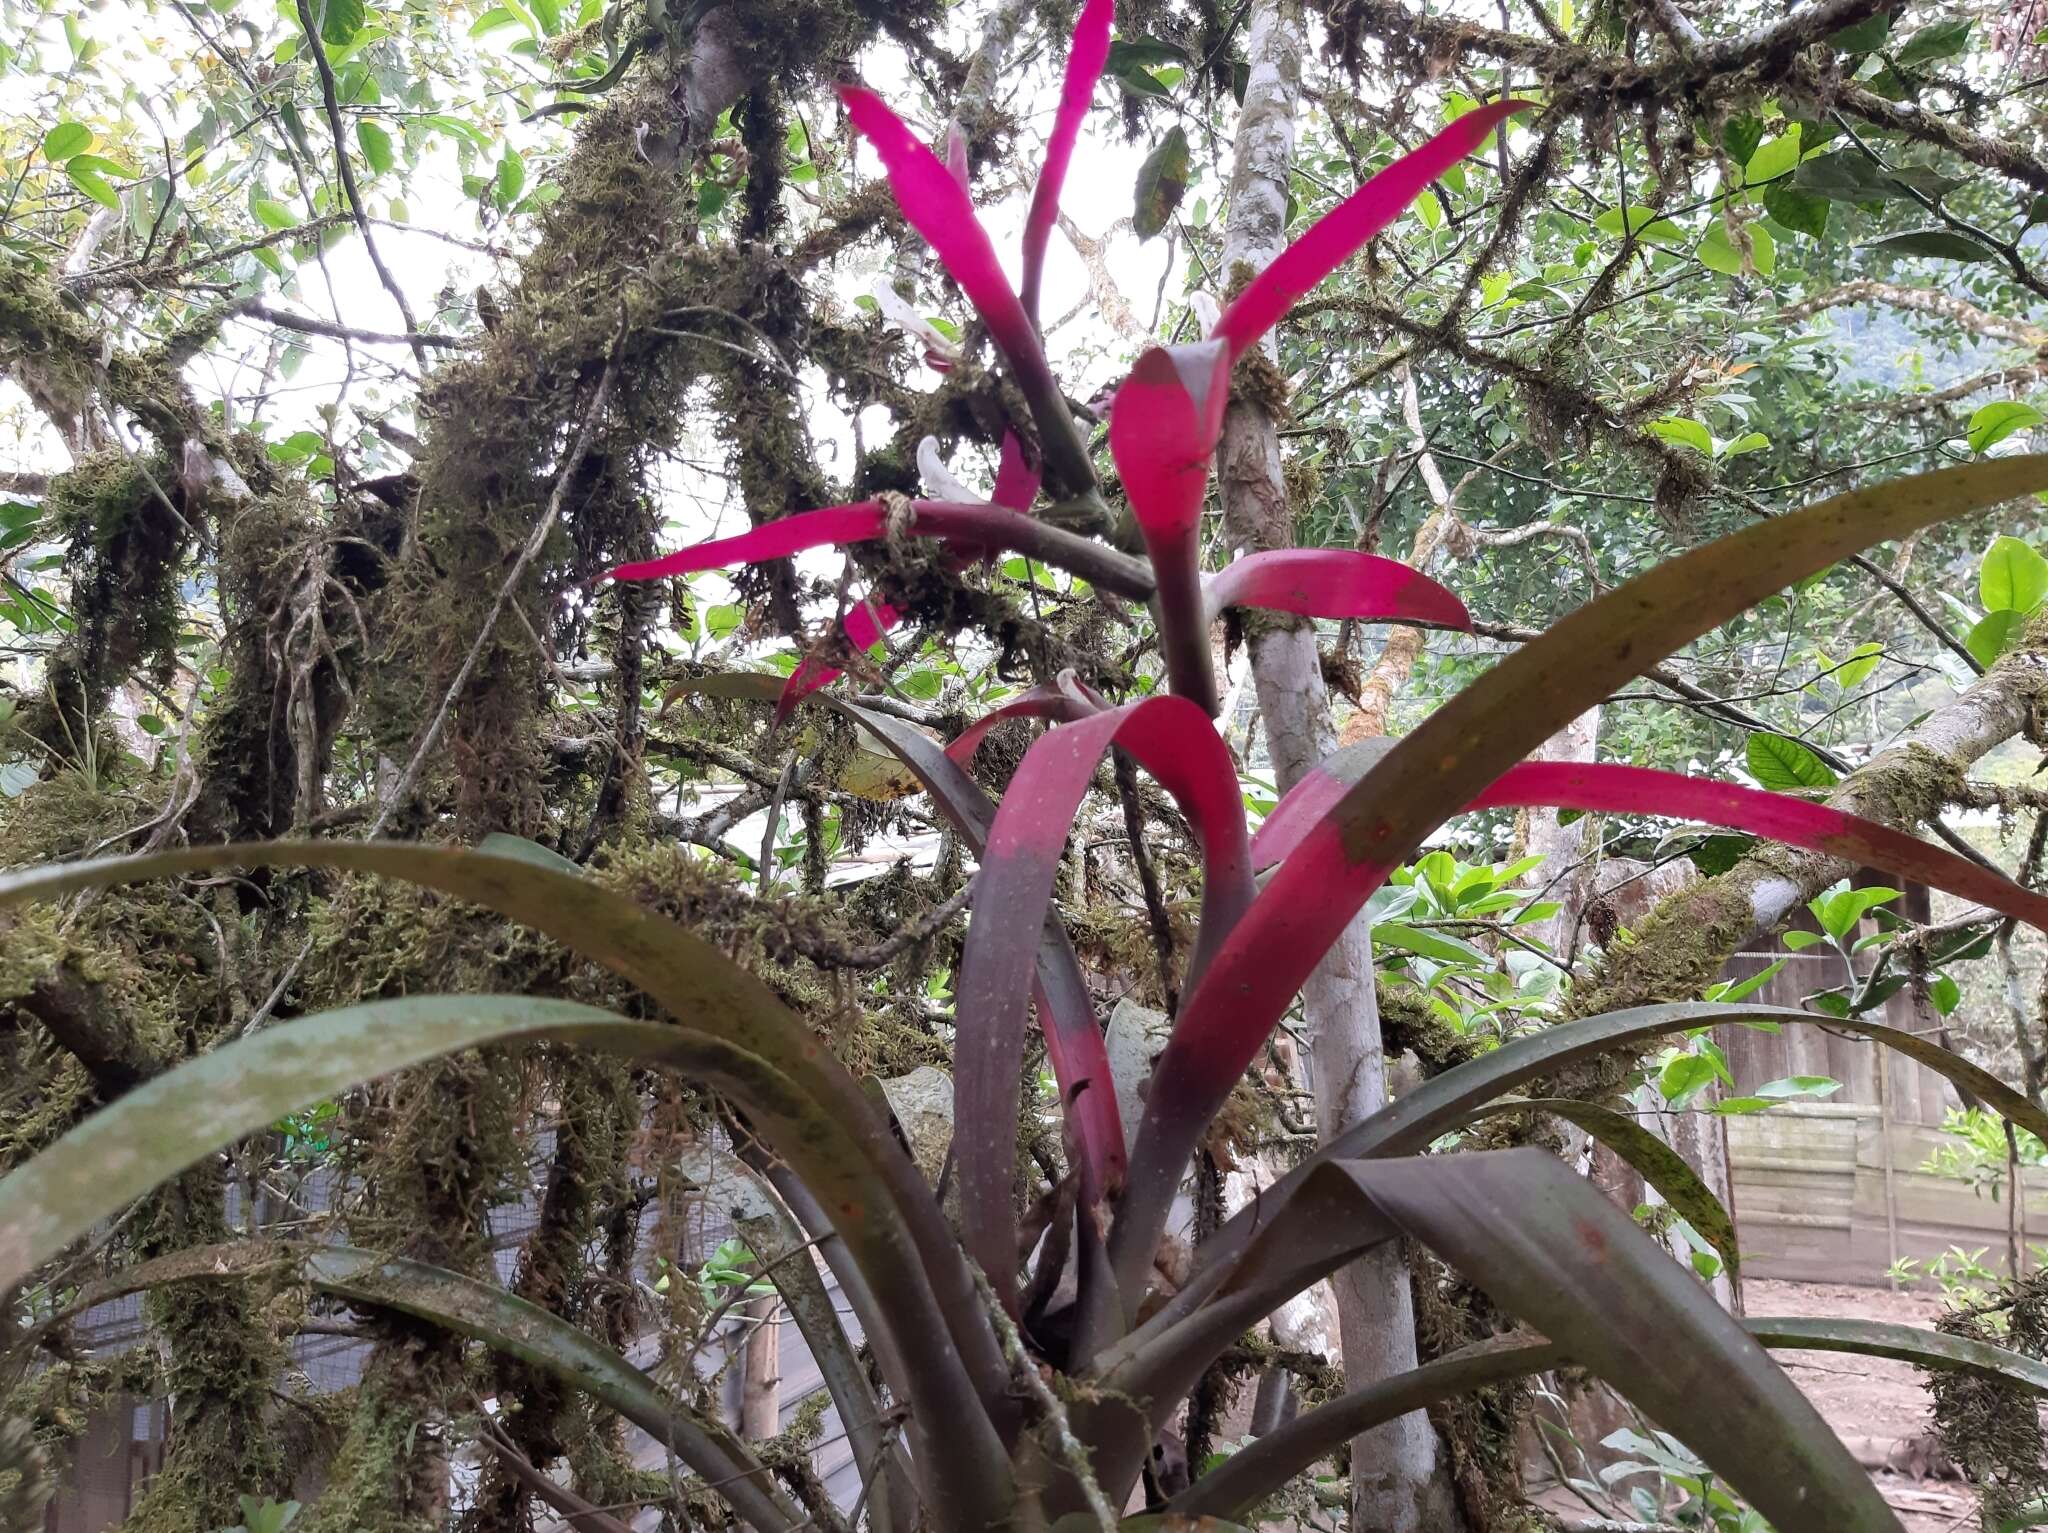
point(1609, 1295)
point(1866, 36)
point(1715, 855)
point(1645, 223)
point(511, 178)
point(93, 184)
point(1749, 441)
point(495, 19)
point(337, 19)
point(1942, 40)
point(376, 145)
point(1662, 1167)
point(1435, 946)
point(65, 140)
point(501, 844)
point(271, 214)
point(1687, 433)
point(1740, 137)
point(2012, 578)
point(1839, 911)
point(1993, 636)
point(711, 198)
point(1142, 82)
point(1162, 183)
point(1934, 244)
point(1775, 159)
point(1782, 764)
point(1848, 175)
point(1799, 1086)
point(1141, 53)
point(1945, 993)
point(1719, 253)
point(1800, 941)
point(1799, 211)
point(1993, 423)
point(1683, 1077)
point(1859, 667)
point(728, 1029)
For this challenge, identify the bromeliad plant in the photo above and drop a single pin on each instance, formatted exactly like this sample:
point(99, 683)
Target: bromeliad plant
point(963, 1433)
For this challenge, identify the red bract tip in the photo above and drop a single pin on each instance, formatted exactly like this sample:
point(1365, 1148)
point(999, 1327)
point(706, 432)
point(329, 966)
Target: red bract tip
point(863, 627)
point(1337, 234)
point(1162, 428)
point(1085, 61)
point(1016, 480)
point(938, 208)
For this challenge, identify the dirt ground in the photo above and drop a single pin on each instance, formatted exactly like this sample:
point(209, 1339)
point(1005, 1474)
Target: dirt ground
point(1871, 1398)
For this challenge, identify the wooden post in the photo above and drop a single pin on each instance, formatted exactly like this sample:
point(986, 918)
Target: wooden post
point(761, 1378)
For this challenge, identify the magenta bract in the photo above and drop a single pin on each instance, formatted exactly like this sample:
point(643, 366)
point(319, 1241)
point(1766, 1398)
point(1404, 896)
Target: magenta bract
point(1335, 583)
point(938, 208)
point(1085, 58)
point(1338, 234)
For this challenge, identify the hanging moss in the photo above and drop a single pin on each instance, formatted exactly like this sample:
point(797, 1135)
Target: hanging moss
point(1992, 1430)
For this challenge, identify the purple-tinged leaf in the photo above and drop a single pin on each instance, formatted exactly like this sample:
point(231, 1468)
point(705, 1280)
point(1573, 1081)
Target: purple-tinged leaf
point(1262, 1468)
point(975, 528)
point(937, 207)
point(1456, 754)
point(1611, 789)
point(1066, 698)
point(1446, 1102)
point(1177, 744)
point(1085, 58)
point(1332, 240)
point(1074, 1041)
point(1335, 583)
point(1551, 1250)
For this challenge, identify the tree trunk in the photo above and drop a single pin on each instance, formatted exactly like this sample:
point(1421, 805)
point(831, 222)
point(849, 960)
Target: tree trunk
point(1396, 1484)
point(1568, 867)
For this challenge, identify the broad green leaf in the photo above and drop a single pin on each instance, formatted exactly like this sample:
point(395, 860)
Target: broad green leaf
point(65, 140)
point(1683, 1077)
point(1719, 253)
point(1740, 136)
point(271, 213)
point(1993, 423)
point(1934, 244)
point(1859, 667)
point(1438, 947)
point(1749, 441)
point(1786, 765)
point(1141, 53)
point(511, 178)
point(1646, 224)
point(1800, 941)
point(337, 19)
point(1847, 175)
point(93, 184)
point(1945, 993)
point(1993, 636)
point(2012, 578)
point(1944, 39)
point(1802, 212)
point(1799, 1086)
point(1776, 158)
point(1840, 910)
point(1687, 433)
point(376, 145)
point(1715, 855)
point(500, 844)
point(1866, 36)
point(493, 20)
point(1162, 183)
